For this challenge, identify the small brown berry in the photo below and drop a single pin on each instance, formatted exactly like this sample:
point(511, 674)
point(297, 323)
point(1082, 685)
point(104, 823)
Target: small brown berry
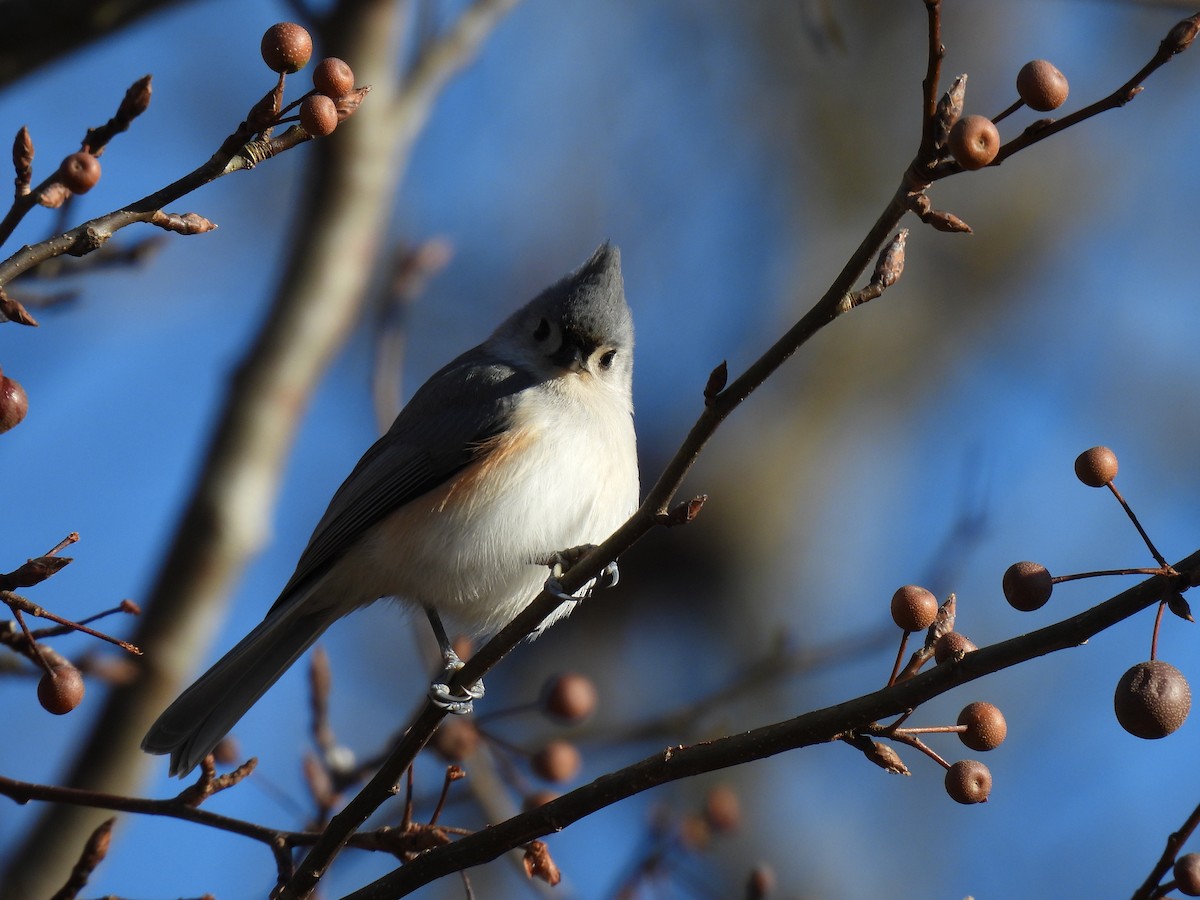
point(761, 883)
point(79, 172)
point(968, 781)
point(950, 645)
point(318, 115)
point(333, 77)
point(914, 608)
point(986, 728)
point(1152, 699)
point(974, 141)
point(1027, 586)
point(61, 689)
point(569, 697)
point(558, 761)
point(227, 752)
point(694, 833)
point(286, 47)
point(538, 798)
point(455, 739)
point(1042, 86)
point(722, 809)
point(1096, 467)
point(463, 646)
point(1187, 874)
point(13, 403)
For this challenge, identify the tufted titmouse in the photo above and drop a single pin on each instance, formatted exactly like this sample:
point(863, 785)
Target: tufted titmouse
point(517, 450)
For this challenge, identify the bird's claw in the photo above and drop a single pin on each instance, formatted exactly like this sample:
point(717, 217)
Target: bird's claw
point(562, 561)
point(459, 702)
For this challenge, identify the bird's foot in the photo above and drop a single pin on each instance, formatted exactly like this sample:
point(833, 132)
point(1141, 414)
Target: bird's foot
point(458, 702)
point(562, 561)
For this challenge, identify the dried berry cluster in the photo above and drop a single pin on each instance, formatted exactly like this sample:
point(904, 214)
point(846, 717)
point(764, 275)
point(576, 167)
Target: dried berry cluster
point(974, 140)
point(61, 686)
point(1152, 699)
point(980, 726)
point(286, 49)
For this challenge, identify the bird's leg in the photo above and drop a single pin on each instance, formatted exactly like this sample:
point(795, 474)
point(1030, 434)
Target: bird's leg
point(560, 563)
point(439, 692)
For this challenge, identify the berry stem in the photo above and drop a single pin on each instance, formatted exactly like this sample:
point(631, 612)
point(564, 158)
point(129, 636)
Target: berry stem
point(1161, 570)
point(906, 737)
point(1158, 617)
point(492, 714)
point(19, 604)
point(931, 729)
point(1158, 557)
point(453, 773)
point(1009, 111)
point(408, 800)
point(64, 543)
point(899, 658)
point(34, 647)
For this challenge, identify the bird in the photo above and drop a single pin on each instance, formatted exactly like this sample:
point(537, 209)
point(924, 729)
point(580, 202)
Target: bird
point(515, 452)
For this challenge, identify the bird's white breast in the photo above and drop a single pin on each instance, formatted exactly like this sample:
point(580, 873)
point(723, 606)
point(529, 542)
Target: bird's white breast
point(474, 548)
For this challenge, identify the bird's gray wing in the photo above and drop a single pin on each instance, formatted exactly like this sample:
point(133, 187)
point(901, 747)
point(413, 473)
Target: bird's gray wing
point(436, 435)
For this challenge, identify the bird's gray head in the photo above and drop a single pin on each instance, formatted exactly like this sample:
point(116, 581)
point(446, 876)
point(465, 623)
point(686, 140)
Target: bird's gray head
point(579, 324)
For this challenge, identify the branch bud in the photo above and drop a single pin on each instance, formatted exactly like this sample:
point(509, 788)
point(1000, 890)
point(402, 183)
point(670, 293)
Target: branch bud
point(22, 155)
point(1181, 36)
point(949, 109)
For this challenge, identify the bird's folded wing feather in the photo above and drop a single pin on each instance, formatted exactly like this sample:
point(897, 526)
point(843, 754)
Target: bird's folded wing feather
point(436, 435)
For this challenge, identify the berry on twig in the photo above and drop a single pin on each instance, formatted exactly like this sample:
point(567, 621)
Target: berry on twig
point(986, 728)
point(333, 77)
point(914, 608)
point(79, 172)
point(968, 781)
point(974, 141)
point(286, 47)
point(14, 403)
point(1042, 86)
point(1096, 467)
point(1027, 586)
point(318, 115)
point(60, 689)
point(1152, 699)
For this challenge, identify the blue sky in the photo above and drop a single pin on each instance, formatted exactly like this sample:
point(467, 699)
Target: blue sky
point(736, 161)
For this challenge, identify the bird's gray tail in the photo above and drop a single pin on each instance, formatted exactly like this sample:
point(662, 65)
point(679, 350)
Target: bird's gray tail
point(192, 726)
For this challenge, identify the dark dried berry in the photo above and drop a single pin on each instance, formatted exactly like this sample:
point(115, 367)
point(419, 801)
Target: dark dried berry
point(968, 781)
point(914, 608)
point(722, 809)
point(227, 752)
point(61, 689)
point(761, 883)
point(455, 739)
point(318, 115)
point(13, 403)
point(558, 761)
point(569, 697)
point(1042, 86)
point(333, 77)
point(950, 645)
point(1152, 699)
point(1187, 874)
point(79, 172)
point(986, 728)
point(974, 141)
point(538, 798)
point(286, 47)
point(1096, 467)
point(1027, 586)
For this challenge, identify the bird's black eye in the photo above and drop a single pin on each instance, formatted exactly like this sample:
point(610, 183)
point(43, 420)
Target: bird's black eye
point(606, 360)
point(542, 331)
